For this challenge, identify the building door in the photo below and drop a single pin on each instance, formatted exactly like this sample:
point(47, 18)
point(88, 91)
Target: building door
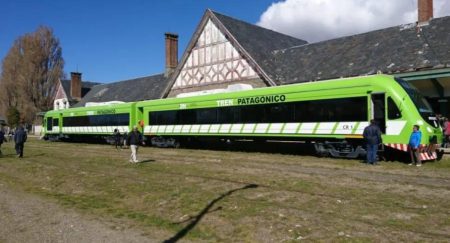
point(379, 110)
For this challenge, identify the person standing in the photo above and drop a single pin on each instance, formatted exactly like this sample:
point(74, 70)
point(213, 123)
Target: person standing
point(2, 138)
point(20, 137)
point(414, 143)
point(372, 137)
point(125, 136)
point(446, 132)
point(116, 136)
point(134, 139)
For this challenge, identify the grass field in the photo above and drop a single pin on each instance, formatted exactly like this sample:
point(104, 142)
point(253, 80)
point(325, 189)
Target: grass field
point(206, 195)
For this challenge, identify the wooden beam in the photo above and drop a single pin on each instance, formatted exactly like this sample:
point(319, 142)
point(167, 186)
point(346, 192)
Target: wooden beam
point(420, 75)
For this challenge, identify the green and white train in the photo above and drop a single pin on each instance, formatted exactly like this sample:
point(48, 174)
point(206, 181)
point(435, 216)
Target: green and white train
point(330, 114)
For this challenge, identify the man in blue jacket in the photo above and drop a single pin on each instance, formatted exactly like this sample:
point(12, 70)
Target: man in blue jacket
point(414, 143)
point(372, 137)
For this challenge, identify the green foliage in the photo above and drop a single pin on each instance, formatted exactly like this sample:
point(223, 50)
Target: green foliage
point(13, 116)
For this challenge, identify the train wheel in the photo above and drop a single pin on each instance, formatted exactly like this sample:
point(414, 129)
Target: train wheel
point(177, 144)
point(321, 151)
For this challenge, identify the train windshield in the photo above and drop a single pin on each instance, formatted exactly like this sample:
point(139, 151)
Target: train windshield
point(421, 103)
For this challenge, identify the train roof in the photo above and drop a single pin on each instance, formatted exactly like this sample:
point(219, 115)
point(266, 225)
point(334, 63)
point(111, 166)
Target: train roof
point(378, 80)
point(91, 108)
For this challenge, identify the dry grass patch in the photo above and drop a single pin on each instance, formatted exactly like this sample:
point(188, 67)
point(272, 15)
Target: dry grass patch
point(205, 195)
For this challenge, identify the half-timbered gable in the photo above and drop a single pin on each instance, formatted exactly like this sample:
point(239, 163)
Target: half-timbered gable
point(215, 58)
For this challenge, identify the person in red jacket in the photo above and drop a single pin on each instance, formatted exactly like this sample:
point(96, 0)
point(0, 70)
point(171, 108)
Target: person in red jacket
point(446, 132)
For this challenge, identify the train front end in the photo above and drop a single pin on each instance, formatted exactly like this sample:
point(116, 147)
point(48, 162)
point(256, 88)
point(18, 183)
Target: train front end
point(432, 135)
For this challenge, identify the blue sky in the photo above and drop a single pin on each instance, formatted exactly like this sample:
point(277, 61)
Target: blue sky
point(116, 40)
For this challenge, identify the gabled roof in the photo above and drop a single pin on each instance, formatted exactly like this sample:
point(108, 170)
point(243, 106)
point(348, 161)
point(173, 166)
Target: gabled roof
point(85, 87)
point(397, 49)
point(145, 88)
point(255, 39)
point(253, 42)
point(258, 42)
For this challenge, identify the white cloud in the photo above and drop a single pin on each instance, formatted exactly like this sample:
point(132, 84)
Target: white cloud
point(317, 20)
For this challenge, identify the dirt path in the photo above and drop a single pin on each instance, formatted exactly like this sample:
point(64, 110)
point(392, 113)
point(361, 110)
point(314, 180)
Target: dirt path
point(28, 218)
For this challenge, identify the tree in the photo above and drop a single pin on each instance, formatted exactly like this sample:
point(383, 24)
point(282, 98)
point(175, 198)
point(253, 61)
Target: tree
point(13, 116)
point(30, 73)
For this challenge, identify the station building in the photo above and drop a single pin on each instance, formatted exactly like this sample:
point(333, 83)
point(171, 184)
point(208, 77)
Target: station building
point(225, 51)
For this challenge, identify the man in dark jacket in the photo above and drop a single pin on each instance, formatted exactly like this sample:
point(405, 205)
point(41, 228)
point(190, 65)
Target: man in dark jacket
point(20, 137)
point(116, 136)
point(2, 138)
point(372, 137)
point(134, 139)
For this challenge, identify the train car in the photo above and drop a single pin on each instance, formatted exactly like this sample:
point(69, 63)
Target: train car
point(329, 114)
point(94, 123)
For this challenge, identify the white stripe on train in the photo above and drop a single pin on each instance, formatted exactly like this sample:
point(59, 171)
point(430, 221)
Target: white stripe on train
point(392, 128)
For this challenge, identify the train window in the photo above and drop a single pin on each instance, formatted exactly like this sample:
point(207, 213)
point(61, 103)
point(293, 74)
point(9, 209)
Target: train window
point(227, 115)
point(123, 119)
point(153, 117)
point(168, 117)
point(393, 111)
point(55, 122)
point(252, 114)
point(98, 120)
point(49, 124)
point(163, 117)
point(281, 112)
point(186, 117)
point(207, 116)
point(344, 109)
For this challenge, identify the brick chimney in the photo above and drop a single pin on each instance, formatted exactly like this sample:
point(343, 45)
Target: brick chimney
point(171, 53)
point(425, 10)
point(75, 85)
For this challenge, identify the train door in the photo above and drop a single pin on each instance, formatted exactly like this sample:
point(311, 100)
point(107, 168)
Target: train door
point(379, 110)
point(56, 124)
point(140, 118)
point(49, 123)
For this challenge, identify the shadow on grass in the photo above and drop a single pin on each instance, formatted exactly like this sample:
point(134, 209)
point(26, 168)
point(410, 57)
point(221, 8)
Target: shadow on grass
point(14, 155)
point(146, 161)
point(198, 217)
point(7, 155)
point(37, 155)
